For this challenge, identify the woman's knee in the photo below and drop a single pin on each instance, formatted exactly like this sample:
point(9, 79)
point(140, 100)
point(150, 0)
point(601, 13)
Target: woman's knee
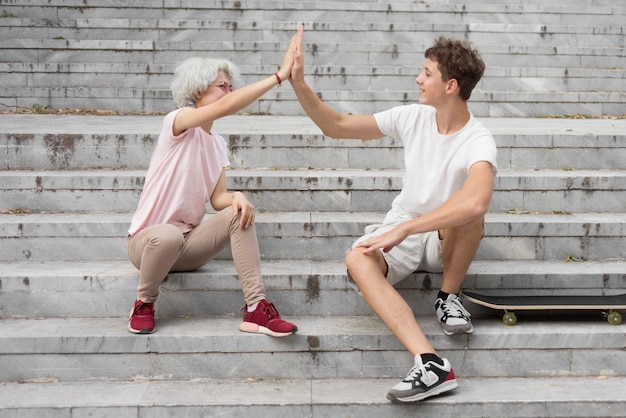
point(166, 237)
point(229, 217)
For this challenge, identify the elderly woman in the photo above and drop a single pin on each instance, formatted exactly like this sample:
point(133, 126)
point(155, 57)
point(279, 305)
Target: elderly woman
point(187, 171)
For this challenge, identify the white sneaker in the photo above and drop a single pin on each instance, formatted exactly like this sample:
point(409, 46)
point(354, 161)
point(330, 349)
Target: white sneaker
point(453, 316)
point(423, 381)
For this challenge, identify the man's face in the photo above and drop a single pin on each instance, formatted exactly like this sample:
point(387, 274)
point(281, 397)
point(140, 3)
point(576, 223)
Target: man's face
point(432, 89)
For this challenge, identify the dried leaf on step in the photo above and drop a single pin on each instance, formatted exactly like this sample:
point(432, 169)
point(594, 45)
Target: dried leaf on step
point(574, 259)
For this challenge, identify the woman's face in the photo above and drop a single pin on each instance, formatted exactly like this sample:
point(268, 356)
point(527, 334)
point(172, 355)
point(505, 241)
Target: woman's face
point(219, 88)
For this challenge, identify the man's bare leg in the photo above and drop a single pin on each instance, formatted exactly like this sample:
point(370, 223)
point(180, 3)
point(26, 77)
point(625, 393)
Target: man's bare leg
point(368, 272)
point(460, 245)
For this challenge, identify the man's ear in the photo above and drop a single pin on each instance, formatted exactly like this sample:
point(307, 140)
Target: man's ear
point(452, 86)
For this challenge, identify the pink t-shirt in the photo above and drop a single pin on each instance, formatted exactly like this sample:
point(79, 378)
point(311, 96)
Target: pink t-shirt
point(182, 176)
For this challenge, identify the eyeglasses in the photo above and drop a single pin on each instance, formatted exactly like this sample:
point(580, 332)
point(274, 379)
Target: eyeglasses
point(226, 87)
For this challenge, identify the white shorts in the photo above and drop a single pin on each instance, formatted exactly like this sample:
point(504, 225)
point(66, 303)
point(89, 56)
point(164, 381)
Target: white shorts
point(418, 252)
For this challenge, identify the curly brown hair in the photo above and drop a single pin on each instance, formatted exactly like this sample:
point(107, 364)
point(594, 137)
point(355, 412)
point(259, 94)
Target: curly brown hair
point(457, 59)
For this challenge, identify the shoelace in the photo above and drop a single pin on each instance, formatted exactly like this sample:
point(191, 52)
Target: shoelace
point(454, 308)
point(416, 372)
point(419, 373)
point(270, 310)
point(143, 309)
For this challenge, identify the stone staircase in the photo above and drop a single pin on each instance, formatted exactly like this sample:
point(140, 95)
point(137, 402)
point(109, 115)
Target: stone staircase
point(67, 286)
point(566, 57)
point(69, 185)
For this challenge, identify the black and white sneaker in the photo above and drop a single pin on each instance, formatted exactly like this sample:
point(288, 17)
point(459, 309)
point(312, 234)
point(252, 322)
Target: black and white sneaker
point(453, 316)
point(424, 381)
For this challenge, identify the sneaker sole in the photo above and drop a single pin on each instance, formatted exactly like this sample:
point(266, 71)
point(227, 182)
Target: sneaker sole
point(141, 331)
point(458, 331)
point(442, 388)
point(259, 329)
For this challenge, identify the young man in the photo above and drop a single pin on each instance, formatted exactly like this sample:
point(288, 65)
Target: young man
point(436, 222)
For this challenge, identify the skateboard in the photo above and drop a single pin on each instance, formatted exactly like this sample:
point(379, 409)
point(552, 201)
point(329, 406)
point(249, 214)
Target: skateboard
point(509, 304)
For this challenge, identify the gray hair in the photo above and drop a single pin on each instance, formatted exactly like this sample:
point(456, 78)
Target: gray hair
point(194, 75)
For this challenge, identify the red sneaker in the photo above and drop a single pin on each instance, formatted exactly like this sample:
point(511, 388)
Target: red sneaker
point(142, 318)
point(266, 320)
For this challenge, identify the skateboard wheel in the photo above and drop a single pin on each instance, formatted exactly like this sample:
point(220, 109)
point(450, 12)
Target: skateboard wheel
point(509, 318)
point(614, 318)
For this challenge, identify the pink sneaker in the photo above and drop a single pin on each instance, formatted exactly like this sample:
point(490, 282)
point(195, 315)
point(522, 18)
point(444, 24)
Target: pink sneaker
point(266, 320)
point(142, 318)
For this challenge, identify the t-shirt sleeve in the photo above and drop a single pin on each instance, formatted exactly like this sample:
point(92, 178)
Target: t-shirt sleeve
point(391, 121)
point(224, 161)
point(400, 122)
point(168, 126)
point(483, 149)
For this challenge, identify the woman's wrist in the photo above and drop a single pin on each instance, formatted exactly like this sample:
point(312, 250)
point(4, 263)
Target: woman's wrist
point(278, 78)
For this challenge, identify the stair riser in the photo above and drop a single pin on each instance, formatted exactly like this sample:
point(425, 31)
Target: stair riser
point(168, 44)
point(298, 288)
point(491, 105)
point(352, 363)
point(315, 248)
point(106, 289)
point(326, 78)
point(204, 302)
point(133, 152)
point(336, 201)
point(535, 84)
point(91, 17)
point(196, 303)
point(340, 398)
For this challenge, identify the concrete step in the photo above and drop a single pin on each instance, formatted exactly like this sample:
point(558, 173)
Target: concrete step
point(324, 348)
point(484, 103)
point(94, 37)
point(328, 78)
point(314, 235)
point(434, 11)
point(310, 190)
point(298, 287)
point(381, 20)
point(325, 78)
point(75, 31)
point(64, 142)
point(314, 398)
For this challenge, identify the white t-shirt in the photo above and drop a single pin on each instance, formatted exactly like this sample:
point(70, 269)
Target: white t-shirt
point(436, 166)
point(182, 176)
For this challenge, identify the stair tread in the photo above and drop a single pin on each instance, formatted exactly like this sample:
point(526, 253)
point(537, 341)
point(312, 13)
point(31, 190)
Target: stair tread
point(513, 217)
point(293, 268)
point(318, 171)
point(476, 396)
point(250, 124)
point(220, 334)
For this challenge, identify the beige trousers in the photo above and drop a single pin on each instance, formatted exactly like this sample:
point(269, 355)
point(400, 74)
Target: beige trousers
point(161, 249)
